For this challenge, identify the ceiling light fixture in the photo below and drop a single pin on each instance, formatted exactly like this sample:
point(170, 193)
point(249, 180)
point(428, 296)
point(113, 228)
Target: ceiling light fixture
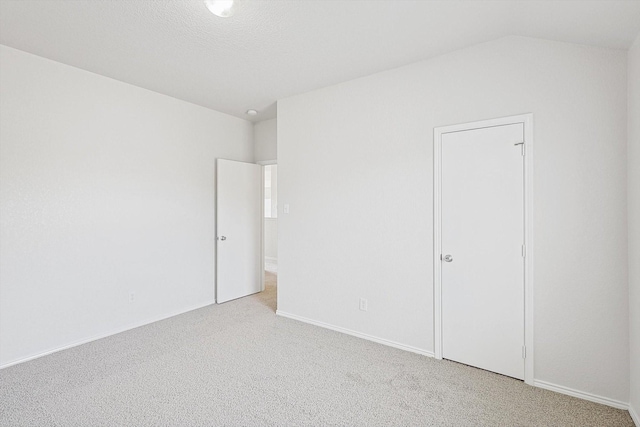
point(252, 112)
point(221, 8)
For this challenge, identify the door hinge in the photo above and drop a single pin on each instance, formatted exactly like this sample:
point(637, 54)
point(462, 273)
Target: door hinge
point(524, 352)
point(521, 144)
point(524, 251)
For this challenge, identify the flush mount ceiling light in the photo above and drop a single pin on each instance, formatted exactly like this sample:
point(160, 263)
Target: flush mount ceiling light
point(252, 112)
point(221, 8)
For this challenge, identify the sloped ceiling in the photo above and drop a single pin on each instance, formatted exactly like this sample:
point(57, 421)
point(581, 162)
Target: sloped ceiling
point(273, 49)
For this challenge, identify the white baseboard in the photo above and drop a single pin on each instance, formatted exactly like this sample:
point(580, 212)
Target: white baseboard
point(105, 335)
point(634, 415)
point(581, 394)
point(356, 334)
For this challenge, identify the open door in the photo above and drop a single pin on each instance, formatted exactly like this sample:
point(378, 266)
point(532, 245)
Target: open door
point(239, 229)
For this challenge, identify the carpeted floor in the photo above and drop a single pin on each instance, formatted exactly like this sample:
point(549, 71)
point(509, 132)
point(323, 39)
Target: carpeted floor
point(238, 364)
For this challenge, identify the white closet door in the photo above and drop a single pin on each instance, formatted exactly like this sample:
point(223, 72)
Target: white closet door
point(482, 243)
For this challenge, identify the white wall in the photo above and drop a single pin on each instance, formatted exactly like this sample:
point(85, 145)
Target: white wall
point(105, 189)
point(634, 225)
point(265, 140)
point(271, 238)
point(363, 223)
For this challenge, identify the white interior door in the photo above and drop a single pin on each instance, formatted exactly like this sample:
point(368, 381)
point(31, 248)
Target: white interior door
point(239, 229)
point(482, 211)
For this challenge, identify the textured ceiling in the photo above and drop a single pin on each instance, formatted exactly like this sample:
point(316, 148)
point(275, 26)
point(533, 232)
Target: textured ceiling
point(274, 49)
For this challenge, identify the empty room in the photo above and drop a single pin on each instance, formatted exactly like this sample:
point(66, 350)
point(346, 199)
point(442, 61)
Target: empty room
point(319, 212)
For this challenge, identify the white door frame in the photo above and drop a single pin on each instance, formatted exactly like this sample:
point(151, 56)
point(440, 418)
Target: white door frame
point(527, 120)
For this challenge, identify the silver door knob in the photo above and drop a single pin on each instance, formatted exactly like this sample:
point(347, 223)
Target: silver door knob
point(447, 258)
point(223, 238)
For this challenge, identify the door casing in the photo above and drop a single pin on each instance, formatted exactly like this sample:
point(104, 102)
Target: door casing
point(527, 121)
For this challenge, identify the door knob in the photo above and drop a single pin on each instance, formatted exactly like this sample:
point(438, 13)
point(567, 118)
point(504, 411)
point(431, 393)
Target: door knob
point(447, 258)
point(223, 238)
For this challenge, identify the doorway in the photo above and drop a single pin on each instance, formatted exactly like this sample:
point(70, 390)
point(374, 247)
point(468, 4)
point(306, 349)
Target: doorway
point(270, 227)
point(482, 245)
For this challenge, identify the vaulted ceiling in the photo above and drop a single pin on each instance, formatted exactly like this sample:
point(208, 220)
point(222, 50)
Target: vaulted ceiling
point(273, 49)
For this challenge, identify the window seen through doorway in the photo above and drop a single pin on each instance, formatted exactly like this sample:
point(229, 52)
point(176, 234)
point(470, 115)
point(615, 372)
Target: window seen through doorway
point(271, 191)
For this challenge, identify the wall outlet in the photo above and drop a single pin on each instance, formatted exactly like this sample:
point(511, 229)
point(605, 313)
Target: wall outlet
point(132, 296)
point(364, 304)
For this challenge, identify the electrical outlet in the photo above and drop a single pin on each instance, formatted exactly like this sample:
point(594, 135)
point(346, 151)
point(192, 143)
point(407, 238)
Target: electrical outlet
point(364, 304)
point(132, 296)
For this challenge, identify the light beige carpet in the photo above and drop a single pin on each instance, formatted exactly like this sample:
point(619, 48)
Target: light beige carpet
point(238, 364)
